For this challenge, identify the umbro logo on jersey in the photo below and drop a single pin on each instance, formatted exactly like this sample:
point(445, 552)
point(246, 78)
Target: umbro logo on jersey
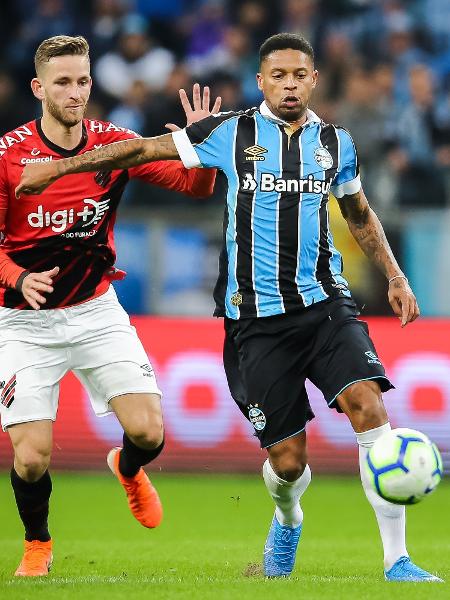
point(372, 358)
point(255, 152)
point(147, 370)
point(341, 287)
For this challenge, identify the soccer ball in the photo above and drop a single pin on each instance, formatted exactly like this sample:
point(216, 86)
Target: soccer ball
point(404, 466)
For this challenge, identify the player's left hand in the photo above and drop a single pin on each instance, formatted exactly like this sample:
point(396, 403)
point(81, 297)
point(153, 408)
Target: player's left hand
point(36, 177)
point(403, 301)
point(200, 109)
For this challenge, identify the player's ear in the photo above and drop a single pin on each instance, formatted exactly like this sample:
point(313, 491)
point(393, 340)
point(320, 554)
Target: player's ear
point(315, 76)
point(89, 88)
point(259, 81)
point(37, 88)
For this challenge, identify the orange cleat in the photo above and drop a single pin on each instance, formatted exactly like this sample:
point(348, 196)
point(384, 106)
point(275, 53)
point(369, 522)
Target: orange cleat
point(143, 499)
point(37, 559)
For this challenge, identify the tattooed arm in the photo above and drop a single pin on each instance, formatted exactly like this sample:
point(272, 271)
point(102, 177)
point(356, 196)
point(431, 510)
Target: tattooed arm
point(367, 230)
point(36, 177)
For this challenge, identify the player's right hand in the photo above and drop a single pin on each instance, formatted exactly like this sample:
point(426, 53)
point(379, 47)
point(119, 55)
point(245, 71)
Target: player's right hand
point(35, 283)
point(199, 108)
point(403, 301)
point(36, 177)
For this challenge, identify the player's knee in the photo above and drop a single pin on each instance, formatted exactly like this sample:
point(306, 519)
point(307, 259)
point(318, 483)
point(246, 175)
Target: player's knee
point(289, 457)
point(292, 473)
point(147, 435)
point(289, 466)
point(144, 425)
point(31, 463)
point(148, 440)
point(363, 404)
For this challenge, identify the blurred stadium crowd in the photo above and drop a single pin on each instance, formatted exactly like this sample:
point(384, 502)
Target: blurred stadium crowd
point(384, 71)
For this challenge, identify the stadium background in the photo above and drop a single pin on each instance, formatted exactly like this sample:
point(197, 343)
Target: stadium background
point(384, 73)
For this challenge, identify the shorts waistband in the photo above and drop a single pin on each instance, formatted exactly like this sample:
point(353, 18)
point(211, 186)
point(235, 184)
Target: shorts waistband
point(43, 315)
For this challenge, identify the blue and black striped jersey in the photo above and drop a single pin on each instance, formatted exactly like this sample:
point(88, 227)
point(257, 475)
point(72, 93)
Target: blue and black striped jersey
point(278, 253)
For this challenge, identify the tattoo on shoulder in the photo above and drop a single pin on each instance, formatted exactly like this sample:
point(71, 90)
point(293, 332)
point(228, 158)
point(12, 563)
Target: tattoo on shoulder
point(355, 208)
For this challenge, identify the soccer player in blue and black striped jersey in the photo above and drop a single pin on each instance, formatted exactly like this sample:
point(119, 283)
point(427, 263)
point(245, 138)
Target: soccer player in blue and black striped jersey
point(289, 314)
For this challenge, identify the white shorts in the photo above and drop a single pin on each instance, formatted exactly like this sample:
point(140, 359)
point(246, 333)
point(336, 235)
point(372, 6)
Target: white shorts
point(94, 340)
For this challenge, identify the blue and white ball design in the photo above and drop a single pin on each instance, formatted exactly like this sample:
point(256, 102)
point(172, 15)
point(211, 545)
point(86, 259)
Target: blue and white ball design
point(404, 466)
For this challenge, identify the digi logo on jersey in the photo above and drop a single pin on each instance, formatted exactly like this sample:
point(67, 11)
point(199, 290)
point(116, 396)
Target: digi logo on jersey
point(269, 183)
point(59, 220)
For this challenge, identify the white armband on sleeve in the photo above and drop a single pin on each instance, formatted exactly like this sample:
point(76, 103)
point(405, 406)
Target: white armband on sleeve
point(185, 149)
point(347, 188)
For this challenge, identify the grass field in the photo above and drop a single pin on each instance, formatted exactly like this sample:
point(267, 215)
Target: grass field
point(214, 527)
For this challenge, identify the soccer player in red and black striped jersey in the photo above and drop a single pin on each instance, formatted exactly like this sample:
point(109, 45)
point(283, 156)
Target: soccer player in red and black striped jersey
point(58, 310)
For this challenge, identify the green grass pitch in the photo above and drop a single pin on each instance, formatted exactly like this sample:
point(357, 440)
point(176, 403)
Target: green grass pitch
point(214, 527)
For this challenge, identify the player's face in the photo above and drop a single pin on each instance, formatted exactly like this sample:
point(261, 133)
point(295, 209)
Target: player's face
point(64, 85)
point(287, 79)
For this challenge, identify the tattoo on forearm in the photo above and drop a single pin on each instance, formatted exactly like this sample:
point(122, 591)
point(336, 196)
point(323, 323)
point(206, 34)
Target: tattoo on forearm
point(368, 232)
point(112, 156)
point(120, 155)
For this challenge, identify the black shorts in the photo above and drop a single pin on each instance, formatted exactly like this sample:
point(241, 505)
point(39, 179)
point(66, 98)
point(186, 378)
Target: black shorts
point(267, 360)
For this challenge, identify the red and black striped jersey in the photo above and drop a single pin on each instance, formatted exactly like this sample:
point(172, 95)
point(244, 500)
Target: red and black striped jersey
point(70, 224)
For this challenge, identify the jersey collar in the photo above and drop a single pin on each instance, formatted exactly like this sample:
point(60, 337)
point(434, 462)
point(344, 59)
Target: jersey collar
point(311, 116)
point(57, 149)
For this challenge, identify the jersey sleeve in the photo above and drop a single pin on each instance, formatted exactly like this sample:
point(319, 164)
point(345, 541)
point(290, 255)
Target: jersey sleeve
point(9, 270)
point(173, 175)
point(206, 143)
point(169, 174)
point(346, 180)
point(3, 196)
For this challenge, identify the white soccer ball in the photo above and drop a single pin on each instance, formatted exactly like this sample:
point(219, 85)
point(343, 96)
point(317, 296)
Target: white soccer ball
point(404, 466)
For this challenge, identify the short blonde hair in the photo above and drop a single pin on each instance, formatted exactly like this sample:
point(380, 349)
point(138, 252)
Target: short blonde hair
point(60, 45)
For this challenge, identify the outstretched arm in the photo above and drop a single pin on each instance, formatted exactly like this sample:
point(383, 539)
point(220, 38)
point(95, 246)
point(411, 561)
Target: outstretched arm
point(367, 230)
point(120, 155)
